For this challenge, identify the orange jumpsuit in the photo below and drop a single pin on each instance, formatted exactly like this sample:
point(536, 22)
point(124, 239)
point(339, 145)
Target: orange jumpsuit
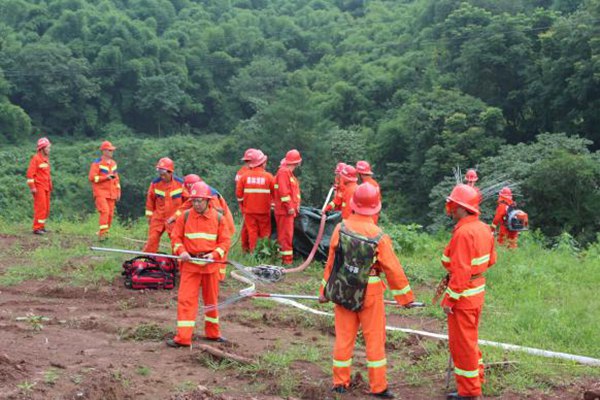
point(504, 233)
point(218, 203)
point(286, 194)
point(162, 201)
point(372, 317)
point(336, 203)
point(254, 194)
point(342, 201)
point(106, 191)
point(38, 178)
point(469, 254)
point(244, 233)
point(368, 179)
point(201, 235)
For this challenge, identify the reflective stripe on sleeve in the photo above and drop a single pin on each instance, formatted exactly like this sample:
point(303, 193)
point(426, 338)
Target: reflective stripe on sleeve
point(285, 198)
point(30, 181)
point(402, 291)
point(148, 213)
point(220, 251)
point(480, 260)
point(96, 179)
point(374, 279)
point(445, 258)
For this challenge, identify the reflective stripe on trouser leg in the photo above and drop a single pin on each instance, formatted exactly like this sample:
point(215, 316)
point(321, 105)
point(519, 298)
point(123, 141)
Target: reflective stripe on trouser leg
point(187, 302)
point(463, 335)
point(155, 231)
point(372, 321)
point(210, 296)
point(285, 237)
point(346, 328)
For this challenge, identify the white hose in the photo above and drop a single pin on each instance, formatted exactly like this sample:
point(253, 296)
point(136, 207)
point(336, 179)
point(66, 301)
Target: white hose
point(529, 350)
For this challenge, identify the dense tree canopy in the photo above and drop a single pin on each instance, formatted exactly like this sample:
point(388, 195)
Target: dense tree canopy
point(415, 86)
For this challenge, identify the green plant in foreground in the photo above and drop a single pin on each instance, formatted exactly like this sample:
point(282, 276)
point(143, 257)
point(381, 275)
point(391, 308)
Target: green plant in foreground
point(51, 376)
point(26, 387)
point(143, 370)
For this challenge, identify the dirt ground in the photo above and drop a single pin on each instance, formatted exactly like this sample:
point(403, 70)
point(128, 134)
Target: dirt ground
point(108, 343)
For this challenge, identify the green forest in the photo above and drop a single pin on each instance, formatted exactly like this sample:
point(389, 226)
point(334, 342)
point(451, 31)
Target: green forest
point(417, 87)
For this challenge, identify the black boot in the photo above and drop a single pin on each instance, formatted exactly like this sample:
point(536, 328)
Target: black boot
point(174, 344)
point(220, 339)
point(339, 389)
point(456, 396)
point(386, 394)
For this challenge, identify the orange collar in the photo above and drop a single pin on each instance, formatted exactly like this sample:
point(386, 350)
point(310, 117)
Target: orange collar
point(466, 220)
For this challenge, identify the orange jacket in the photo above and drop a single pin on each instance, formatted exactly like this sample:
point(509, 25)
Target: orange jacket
point(286, 193)
point(38, 173)
point(254, 191)
point(201, 235)
point(469, 254)
point(386, 262)
point(217, 202)
point(501, 212)
point(342, 199)
point(164, 198)
point(241, 173)
point(102, 185)
point(338, 196)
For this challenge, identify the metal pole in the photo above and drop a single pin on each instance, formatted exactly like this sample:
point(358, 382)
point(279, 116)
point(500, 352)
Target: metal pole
point(142, 253)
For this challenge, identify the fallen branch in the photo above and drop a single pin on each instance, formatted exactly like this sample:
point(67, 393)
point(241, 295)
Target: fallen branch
point(223, 355)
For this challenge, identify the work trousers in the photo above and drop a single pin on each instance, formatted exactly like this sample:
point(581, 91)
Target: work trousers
point(41, 208)
point(157, 227)
point(463, 334)
point(258, 227)
point(505, 234)
point(372, 321)
point(192, 279)
point(106, 209)
point(285, 237)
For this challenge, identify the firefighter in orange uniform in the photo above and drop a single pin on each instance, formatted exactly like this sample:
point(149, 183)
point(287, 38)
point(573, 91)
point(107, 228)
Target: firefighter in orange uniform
point(348, 179)
point(469, 254)
point(199, 233)
point(363, 168)
point(254, 194)
point(247, 158)
point(338, 188)
point(217, 202)
point(286, 195)
point(165, 196)
point(368, 313)
point(505, 200)
point(106, 187)
point(471, 178)
point(40, 185)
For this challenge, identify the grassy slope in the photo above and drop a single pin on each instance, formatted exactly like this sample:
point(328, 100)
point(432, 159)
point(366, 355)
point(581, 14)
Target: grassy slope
point(536, 297)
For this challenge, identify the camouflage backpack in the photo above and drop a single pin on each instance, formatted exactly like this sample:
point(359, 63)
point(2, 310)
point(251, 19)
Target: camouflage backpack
point(354, 257)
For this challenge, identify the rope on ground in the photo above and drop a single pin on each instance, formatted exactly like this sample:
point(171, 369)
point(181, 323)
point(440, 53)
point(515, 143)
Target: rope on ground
point(511, 347)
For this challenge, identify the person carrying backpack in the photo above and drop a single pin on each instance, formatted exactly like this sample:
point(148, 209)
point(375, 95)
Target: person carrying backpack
point(505, 205)
point(359, 253)
point(199, 233)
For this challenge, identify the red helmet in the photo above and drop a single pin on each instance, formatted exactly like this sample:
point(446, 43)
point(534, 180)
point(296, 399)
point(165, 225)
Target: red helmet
point(42, 143)
point(365, 200)
point(471, 176)
point(339, 167)
point(166, 163)
point(106, 145)
point(349, 173)
point(292, 157)
point(248, 155)
point(190, 179)
point(465, 196)
point(259, 158)
point(506, 193)
point(364, 168)
point(200, 190)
